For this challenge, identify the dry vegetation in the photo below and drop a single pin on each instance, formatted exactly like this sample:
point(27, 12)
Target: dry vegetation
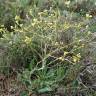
point(47, 48)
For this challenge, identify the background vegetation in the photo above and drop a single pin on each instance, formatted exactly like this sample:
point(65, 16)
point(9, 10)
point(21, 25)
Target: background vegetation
point(48, 47)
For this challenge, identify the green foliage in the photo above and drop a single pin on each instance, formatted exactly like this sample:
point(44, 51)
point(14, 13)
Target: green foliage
point(49, 46)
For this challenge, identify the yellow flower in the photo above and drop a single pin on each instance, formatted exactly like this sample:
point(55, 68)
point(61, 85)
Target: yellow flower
point(27, 40)
point(21, 25)
point(33, 24)
point(78, 55)
point(35, 20)
point(1, 29)
point(67, 2)
point(66, 25)
point(75, 59)
point(17, 22)
point(2, 25)
point(82, 45)
point(45, 10)
point(87, 26)
point(61, 58)
point(30, 11)
point(65, 53)
point(88, 16)
point(79, 25)
point(79, 40)
point(40, 13)
point(12, 27)
point(56, 43)
point(50, 23)
point(89, 33)
point(17, 17)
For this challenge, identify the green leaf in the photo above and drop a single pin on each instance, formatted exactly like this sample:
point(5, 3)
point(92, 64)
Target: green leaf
point(45, 89)
point(23, 3)
point(24, 93)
